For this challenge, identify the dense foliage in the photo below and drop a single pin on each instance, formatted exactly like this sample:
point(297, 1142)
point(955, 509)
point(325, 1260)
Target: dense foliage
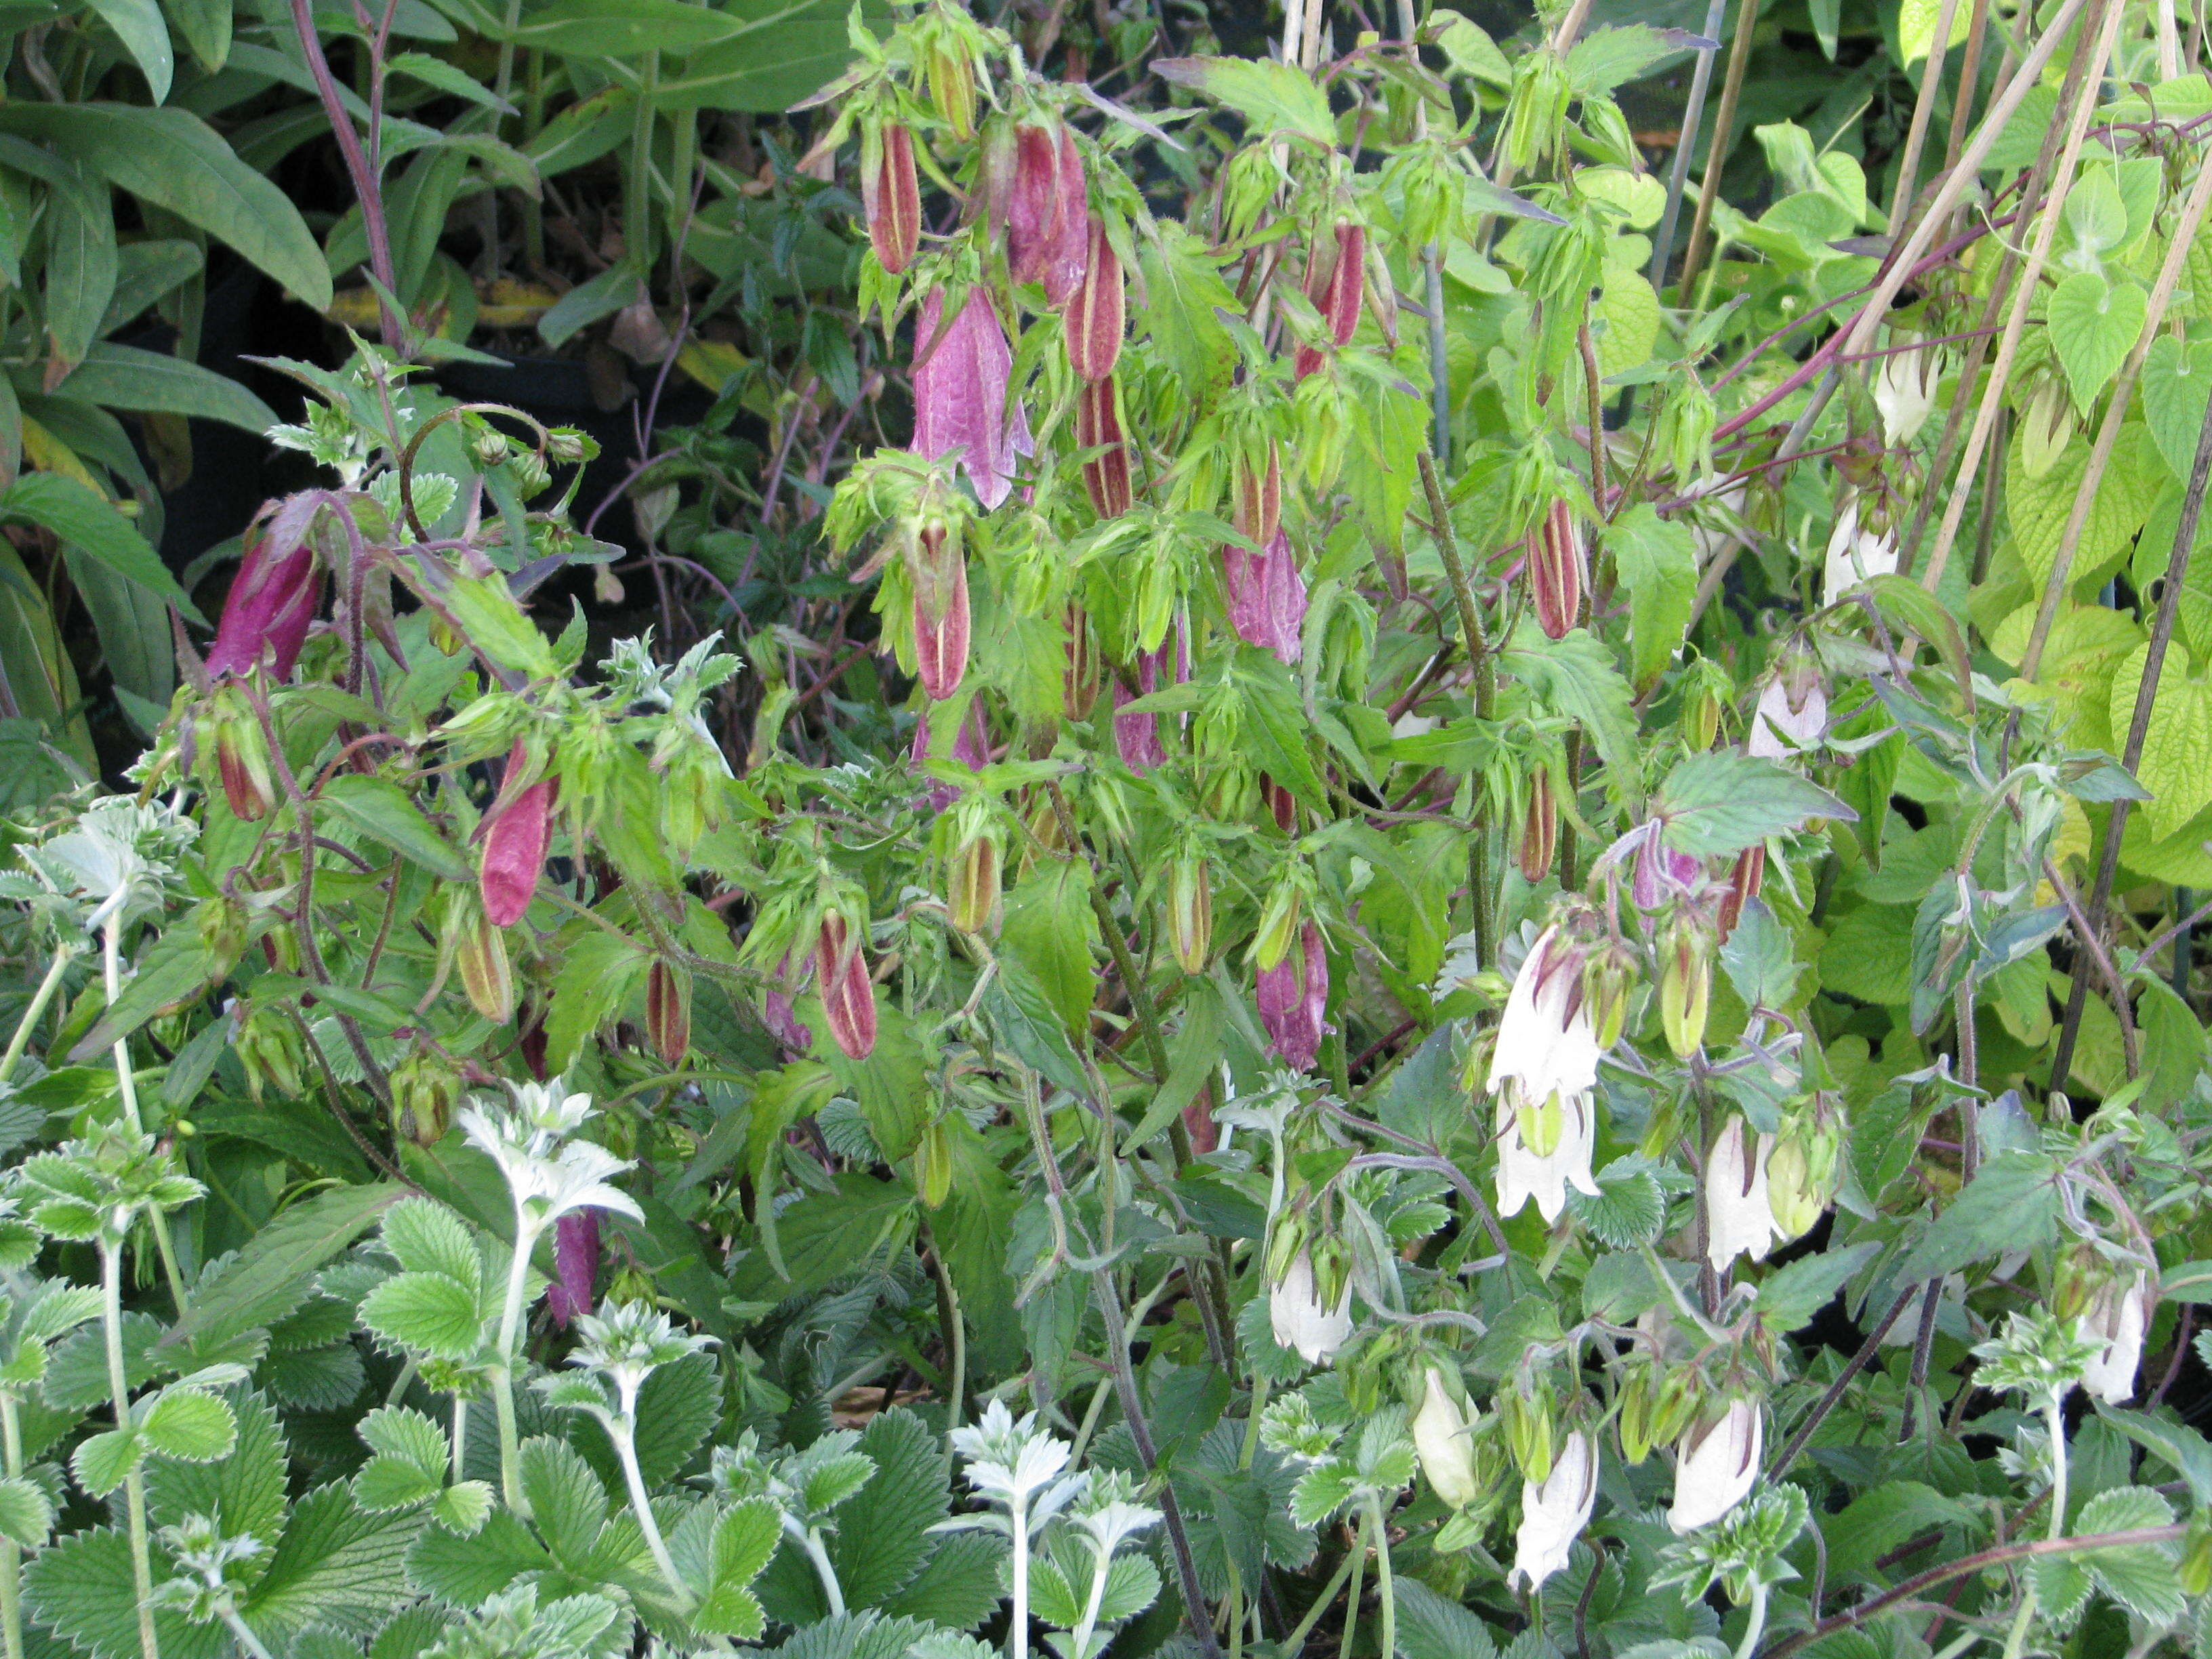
point(1191, 833)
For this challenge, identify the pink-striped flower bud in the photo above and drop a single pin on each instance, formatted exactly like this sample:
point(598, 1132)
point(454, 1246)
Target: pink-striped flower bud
point(1094, 324)
point(1292, 997)
point(1540, 827)
point(1079, 678)
point(1282, 806)
point(1098, 428)
point(668, 1011)
point(1336, 278)
point(891, 195)
point(849, 994)
point(1558, 570)
point(514, 843)
point(1743, 885)
point(941, 619)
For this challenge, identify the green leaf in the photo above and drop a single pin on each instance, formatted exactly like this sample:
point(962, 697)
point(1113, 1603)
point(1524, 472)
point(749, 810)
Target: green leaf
point(1185, 300)
point(2176, 757)
point(392, 1483)
point(337, 1564)
point(2184, 1448)
point(568, 1504)
point(2094, 324)
point(622, 29)
point(138, 24)
point(744, 1538)
point(2037, 507)
point(381, 810)
point(102, 1460)
point(1604, 58)
point(27, 1513)
point(1720, 802)
point(400, 1432)
point(2011, 1204)
point(1629, 1209)
point(1273, 97)
point(189, 1424)
point(2139, 1576)
point(78, 517)
point(1915, 27)
point(70, 1587)
point(81, 261)
point(1793, 1292)
point(275, 1271)
point(958, 1588)
point(1051, 929)
point(1575, 676)
point(426, 1237)
point(174, 160)
point(1657, 559)
point(1430, 1627)
point(2175, 385)
point(783, 52)
point(427, 1313)
point(244, 1491)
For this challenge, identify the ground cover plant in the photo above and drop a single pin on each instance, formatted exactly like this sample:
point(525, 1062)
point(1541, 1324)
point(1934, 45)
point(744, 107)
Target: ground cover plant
point(1337, 831)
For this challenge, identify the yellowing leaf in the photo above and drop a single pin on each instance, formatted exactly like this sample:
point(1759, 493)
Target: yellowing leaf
point(2037, 507)
point(1916, 27)
point(2176, 757)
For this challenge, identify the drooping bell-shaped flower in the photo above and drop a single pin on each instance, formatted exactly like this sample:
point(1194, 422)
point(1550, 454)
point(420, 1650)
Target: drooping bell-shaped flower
point(970, 747)
point(960, 397)
point(1137, 736)
point(1300, 1320)
point(778, 1014)
point(1738, 1216)
point(1715, 1463)
point(1543, 1069)
point(574, 1289)
point(1267, 597)
point(1787, 718)
point(1662, 875)
point(2117, 1318)
point(1554, 1511)
point(1441, 1432)
point(1293, 995)
point(272, 601)
point(1857, 553)
point(1048, 221)
point(1905, 392)
point(1558, 570)
point(514, 843)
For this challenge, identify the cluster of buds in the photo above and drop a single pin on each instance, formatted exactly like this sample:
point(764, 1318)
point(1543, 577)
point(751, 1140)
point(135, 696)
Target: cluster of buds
point(891, 194)
point(515, 834)
point(1543, 1071)
point(268, 1047)
point(848, 993)
point(1293, 997)
point(1804, 1169)
point(1657, 1403)
point(1308, 1294)
point(1558, 569)
point(1716, 1464)
point(426, 1088)
point(1336, 279)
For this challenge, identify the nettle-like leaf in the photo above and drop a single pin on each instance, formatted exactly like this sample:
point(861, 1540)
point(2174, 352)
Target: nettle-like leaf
point(1630, 1209)
point(427, 1313)
point(2139, 1576)
point(744, 1538)
point(189, 1424)
point(27, 1513)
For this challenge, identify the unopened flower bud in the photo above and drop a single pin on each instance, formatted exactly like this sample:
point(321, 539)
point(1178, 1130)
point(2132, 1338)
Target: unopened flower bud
point(1743, 885)
point(668, 1010)
point(566, 445)
point(2080, 1277)
point(951, 78)
point(1336, 278)
point(1555, 1510)
point(1292, 997)
point(1558, 570)
point(932, 1164)
point(1256, 484)
point(489, 448)
point(1685, 983)
point(941, 617)
point(269, 1050)
point(1608, 978)
point(848, 994)
point(1093, 325)
point(1098, 435)
point(229, 735)
point(223, 924)
point(1190, 914)
point(2046, 428)
point(515, 843)
point(1540, 827)
point(973, 892)
point(479, 952)
point(272, 601)
point(2193, 1571)
point(1802, 1172)
point(891, 195)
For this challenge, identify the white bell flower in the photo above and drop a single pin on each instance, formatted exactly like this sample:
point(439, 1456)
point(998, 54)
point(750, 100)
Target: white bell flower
point(1857, 554)
point(1714, 1465)
point(1739, 1218)
point(1545, 1176)
point(1300, 1321)
point(2117, 1316)
point(1441, 1440)
point(1779, 731)
point(1553, 1515)
point(1543, 1070)
point(1905, 392)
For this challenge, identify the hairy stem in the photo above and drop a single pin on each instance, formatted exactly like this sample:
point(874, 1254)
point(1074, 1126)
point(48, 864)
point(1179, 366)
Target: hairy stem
point(64, 955)
point(502, 1378)
point(134, 1483)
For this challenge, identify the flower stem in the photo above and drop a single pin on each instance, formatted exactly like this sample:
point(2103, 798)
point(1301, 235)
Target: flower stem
point(247, 1640)
point(126, 1087)
point(11, 1557)
point(1018, 1626)
point(64, 955)
point(625, 1439)
point(1386, 1593)
point(2055, 1420)
point(134, 1485)
point(1756, 1626)
point(503, 1381)
point(809, 1539)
